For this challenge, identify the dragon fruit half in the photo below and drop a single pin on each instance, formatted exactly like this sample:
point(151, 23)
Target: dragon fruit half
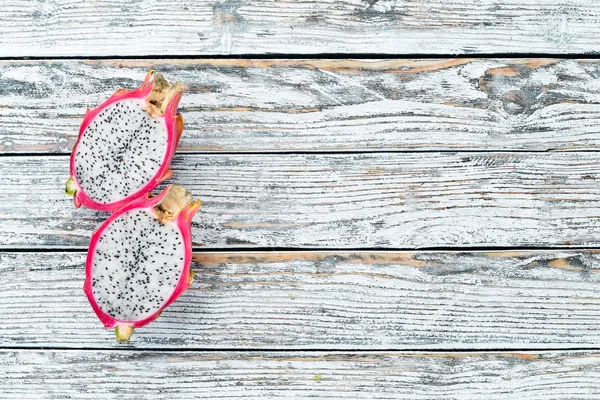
point(125, 146)
point(138, 261)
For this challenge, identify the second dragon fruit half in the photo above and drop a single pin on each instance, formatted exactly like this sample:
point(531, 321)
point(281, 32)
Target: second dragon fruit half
point(138, 261)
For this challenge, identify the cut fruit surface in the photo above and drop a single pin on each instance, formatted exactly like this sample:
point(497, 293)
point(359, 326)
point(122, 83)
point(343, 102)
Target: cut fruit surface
point(138, 260)
point(125, 146)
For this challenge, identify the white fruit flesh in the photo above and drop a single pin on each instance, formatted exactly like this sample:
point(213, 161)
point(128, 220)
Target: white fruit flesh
point(137, 264)
point(120, 151)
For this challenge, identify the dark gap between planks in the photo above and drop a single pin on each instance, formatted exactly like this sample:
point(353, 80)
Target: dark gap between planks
point(328, 350)
point(297, 56)
point(329, 152)
point(457, 249)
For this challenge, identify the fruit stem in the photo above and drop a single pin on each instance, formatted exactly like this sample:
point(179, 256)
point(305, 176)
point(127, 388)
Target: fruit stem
point(161, 95)
point(123, 333)
point(176, 200)
point(70, 187)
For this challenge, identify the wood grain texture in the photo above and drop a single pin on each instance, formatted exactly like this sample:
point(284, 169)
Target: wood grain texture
point(331, 375)
point(313, 105)
point(380, 200)
point(325, 300)
point(105, 28)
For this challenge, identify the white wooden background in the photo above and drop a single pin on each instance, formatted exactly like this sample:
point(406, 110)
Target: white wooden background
point(380, 218)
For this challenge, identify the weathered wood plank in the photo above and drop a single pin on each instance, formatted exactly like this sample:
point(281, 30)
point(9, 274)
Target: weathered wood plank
point(314, 105)
point(326, 300)
point(382, 200)
point(105, 28)
point(250, 375)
